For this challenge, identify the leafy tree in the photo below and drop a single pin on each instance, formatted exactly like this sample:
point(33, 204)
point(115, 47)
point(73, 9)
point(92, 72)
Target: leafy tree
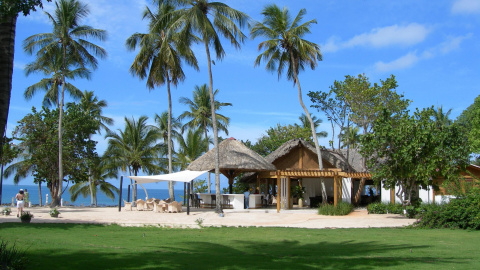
point(200, 114)
point(276, 136)
point(70, 36)
point(207, 19)
point(159, 59)
point(38, 139)
point(92, 107)
point(470, 120)
point(9, 152)
point(134, 149)
point(9, 10)
point(98, 173)
point(409, 151)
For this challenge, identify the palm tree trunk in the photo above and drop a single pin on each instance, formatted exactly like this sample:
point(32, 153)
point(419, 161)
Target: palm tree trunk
point(7, 51)
point(363, 180)
point(312, 125)
point(40, 193)
point(56, 200)
point(171, 193)
point(90, 186)
point(209, 184)
point(218, 208)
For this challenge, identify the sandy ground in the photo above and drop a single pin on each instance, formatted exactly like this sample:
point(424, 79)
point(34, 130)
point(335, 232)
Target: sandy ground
point(298, 218)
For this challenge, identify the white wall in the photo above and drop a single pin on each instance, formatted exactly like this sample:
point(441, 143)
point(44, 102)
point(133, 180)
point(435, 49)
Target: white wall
point(347, 190)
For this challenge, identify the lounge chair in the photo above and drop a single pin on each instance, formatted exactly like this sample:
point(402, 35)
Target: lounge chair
point(179, 207)
point(150, 204)
point(127, 205)
point(140, 204)
point(160, 207)
point(173, 207)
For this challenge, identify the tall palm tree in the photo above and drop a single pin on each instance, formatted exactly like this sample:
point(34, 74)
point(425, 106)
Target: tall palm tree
point(350, 137)
point(134, 149)
point(305, 123)
point(160, 59)
point(71, 37)
point(207, 19)
point(190, 147)
point(200, 114)
point(441, 118)
point(99, 173)
point(161, 122)
point(53, 67)
point(91, 106)
point(286, 48)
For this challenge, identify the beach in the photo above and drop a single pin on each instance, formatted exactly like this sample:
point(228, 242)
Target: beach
point(295, 218)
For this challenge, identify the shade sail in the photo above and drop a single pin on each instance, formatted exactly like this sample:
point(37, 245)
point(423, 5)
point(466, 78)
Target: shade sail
point(183, 176)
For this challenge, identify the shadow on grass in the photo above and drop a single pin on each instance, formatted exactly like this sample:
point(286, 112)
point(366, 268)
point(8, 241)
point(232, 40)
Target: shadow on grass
point(222, 248)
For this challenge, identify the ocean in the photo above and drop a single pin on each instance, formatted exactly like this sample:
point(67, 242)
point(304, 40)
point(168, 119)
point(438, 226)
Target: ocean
point(9, 192)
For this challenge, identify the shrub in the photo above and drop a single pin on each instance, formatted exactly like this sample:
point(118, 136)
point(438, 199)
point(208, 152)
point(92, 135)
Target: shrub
point(460, 213)
point(6, 211)
point(11, 257)
point(341, 209)
point(385, 208)
point(26, 216)
point(54, 212)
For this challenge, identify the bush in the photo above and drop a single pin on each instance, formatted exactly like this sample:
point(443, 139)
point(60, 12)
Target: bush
point(11, 257)
point(341, 209)
point(384, 208)
point(460, 213)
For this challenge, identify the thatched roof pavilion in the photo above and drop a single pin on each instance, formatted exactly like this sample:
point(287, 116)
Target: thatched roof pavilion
point(235, 158)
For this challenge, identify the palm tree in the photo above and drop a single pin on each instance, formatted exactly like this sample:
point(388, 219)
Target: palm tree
point(200, 114)
point(190, 147)
point(91, 106)
point(53, 67)
point(441, 118)
point(134, 149)
point(159, 60)
point(71, 37)
point(350, 137)
point(161, 122)
point(305, 123)
point(286, 48)
point(207, 19)
point(98, 175)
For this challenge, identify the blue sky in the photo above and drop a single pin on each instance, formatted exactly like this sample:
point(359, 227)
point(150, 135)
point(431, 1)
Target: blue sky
point(432, 47)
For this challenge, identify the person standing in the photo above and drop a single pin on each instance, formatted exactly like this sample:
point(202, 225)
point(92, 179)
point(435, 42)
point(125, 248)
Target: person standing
point(20, 202)
point(26, 199)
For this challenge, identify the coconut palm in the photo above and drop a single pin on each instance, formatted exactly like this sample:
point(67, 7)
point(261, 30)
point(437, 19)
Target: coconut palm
point(350, 137)
point(90, 105)
point(207, 19)
point(305, 123)
point(200, 114)
point(98, 174)
point(286, 48)
point(161, 122)
point(441, 118)
point(190, 147)
point(160, 59)
point(71, 37)
point(134, 149)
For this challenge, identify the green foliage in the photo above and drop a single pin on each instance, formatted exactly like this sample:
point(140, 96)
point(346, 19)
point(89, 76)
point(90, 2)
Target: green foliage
point(297, 191)
point(385, 208)
point(342, 209)
point(276, 136)
point(470, 121)
point(413, 150)
point(237, 187)
point(26, 216)
point(460, 213)
point(6, 211)
point(200, 186)
point(54, 212)
point(13, 7)
point(11, 257)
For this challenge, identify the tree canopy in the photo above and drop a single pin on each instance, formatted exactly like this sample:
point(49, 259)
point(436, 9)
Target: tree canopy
point(470, 120)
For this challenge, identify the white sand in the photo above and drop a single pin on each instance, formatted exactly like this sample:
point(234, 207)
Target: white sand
point(298, 218)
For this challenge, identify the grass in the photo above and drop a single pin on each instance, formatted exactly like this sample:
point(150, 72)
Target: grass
point(73, 246)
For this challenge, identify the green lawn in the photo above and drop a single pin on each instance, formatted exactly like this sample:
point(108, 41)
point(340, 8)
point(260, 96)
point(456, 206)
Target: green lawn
point(70, 246)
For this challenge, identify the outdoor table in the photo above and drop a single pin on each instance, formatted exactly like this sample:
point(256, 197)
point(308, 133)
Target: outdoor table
point(255, 200)
point(236, 200)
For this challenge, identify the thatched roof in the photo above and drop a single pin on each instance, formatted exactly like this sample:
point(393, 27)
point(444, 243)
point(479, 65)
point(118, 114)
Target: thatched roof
point(337, 158)
point(234, 155)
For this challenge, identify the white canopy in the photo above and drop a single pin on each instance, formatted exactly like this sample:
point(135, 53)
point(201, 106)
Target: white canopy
point(183, 176)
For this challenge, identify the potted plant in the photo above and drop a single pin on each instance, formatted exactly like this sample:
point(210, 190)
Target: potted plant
point(6, 211)
point(54, 212)
point(298, 191)
point(26, 217)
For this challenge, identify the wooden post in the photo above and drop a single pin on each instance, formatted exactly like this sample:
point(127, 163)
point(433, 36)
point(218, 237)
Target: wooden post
point(392, 195)
point(288, 192)
point(335, 191)
point(279, 184)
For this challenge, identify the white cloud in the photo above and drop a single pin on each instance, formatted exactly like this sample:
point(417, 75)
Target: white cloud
point(19, 65)
point(393, 35)
point(466, 7)
point(403, 62)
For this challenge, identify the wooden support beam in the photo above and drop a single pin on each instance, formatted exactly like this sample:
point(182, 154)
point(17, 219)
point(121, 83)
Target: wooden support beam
point(279, 185)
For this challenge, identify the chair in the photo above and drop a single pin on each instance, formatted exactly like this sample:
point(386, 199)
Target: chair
point(150, 203)
point(173, 207)
point(140, 204)
point(213, 200)
point(160, 207)
point(179, 207)
point(127, 205)
point(274, 199)
point(226, 202)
